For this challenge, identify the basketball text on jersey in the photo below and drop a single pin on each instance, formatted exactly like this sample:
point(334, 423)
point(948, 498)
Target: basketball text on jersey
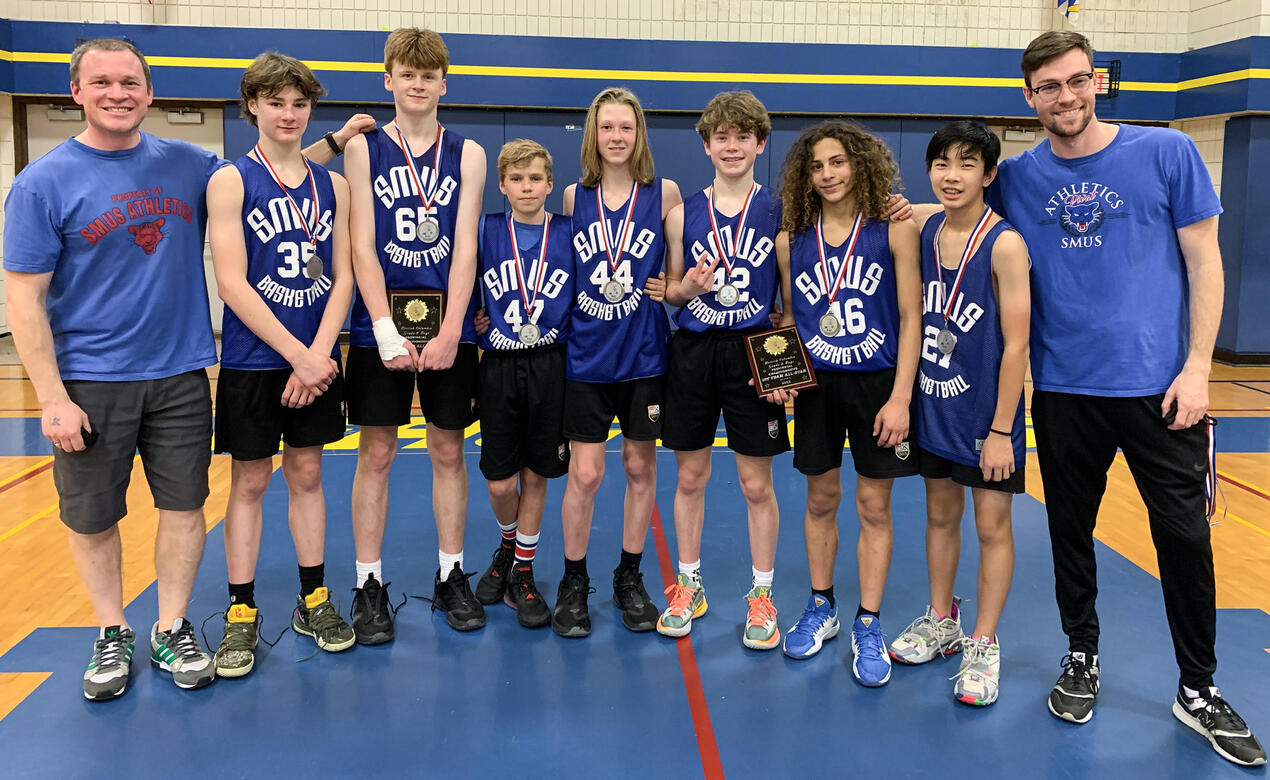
point(753, 249)
point(860, 278)
point(396, 184)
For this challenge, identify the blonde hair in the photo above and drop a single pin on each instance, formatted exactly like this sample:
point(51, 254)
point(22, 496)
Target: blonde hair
point(522, 151)
point(640, 163)
point(416, 48)
point(739, 110)
point(270, 73)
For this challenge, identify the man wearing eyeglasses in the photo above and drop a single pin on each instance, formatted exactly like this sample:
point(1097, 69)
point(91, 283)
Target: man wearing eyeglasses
point(1121, 224)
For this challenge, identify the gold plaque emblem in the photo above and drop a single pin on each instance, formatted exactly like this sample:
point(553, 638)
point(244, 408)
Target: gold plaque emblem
point(416, 310)
point(775, 345)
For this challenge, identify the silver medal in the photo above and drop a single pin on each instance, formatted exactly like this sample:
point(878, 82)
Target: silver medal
point(946, 341)
point(313, 268)
point(429, 230)
point(614, 291)
point(728, 295)
point(529, 334)
point(829, 326)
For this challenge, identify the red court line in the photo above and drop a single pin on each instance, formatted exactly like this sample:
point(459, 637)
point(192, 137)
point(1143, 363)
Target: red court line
point(706, 746)
point(1236, 483)
point(24, 477)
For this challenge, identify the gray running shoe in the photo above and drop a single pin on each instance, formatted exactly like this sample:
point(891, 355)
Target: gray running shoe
point(178, 652)
point(927, 637)
point(107, 674)
point(236, 655)
point(978, 681)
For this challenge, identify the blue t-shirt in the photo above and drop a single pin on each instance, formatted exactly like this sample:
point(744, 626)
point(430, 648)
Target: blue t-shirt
point(277, 262)
point(866, 304)
point(957, 393)
point(754, 272)
point(1110, 295)
point(122, 234)
point(505, 299)
point(409, 262)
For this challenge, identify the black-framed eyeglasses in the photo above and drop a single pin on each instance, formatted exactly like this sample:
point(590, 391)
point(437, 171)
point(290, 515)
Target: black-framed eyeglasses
point(1078, 84)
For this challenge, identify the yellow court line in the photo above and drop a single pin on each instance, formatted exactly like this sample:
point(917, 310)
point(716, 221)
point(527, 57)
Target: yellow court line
point(37, 516)
point(1237, 519)
point(39, 465)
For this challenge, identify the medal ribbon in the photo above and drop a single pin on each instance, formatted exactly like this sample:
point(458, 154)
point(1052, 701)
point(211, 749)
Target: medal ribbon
point(312, 186)
point(846, 257)
point(714, 225)
point(542, 264)
point(972, 246)
point(410, 163)
point(626, 225)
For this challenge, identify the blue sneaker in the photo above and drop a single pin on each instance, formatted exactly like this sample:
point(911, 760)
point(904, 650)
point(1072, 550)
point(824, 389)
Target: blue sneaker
point(870, 664)
point(818, 623)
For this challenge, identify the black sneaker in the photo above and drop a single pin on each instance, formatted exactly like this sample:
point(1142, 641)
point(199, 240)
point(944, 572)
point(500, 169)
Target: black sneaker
point(638, 611)
point(1072, 697)
point(453, 596)
point(1210, 715)
point(493, 583)
point(571, 617)
point(372, 618)
point(523, 596)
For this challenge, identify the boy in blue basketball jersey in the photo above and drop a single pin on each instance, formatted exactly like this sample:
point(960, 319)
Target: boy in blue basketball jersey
point(969, 402)
point(415, 202)
point(721, 269)
point(616, 356)
point(856, 300)
point(279, 235)
point(527, 286)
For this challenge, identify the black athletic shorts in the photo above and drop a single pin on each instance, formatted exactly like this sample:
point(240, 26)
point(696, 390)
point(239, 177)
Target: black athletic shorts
point(591, 407)
point(250, 417)
point(844, 405)
point(522, 412)
point(378, 395)
point(167, 421)
point(934, 466)
point(709, 372)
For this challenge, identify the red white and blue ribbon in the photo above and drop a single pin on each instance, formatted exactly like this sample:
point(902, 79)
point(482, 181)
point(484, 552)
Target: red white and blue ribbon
point(972, 246)
point(846, 256)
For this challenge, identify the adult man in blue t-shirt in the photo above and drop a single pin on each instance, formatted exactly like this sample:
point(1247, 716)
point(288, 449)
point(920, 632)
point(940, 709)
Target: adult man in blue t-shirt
point(1121, 224)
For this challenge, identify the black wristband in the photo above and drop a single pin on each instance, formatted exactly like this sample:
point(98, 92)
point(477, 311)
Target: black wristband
point(999, 433)
point(330, 141)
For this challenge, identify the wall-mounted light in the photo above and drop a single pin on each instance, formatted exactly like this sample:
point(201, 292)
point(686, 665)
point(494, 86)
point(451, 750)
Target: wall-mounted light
point(1018, 134)
point(65, 114)
point(185, 116)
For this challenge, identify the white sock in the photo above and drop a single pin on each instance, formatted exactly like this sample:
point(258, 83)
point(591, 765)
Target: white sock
point(1189, 693)
point(364, 570)
point(692, 570)
point(448, 561)
point(762, 579)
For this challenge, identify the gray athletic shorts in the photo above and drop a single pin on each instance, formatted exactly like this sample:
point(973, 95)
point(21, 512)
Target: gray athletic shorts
point(169, 421)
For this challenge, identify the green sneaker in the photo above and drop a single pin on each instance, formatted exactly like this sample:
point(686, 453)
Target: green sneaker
point(107, 674)
point(178, 652)
point(236, 655)
point(687, 600)
point(315, 616)
point(761, 631)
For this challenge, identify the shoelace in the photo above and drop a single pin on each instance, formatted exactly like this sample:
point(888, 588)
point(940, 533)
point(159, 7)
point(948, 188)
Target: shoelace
point(576, 586)
point(870, 643)
point(462, 588)
point(381, 594)
point(924, 626)
point(111, 650)
point(810, 622)
point(183, 643)
point(679, 597)
point(202, 629)
point(973, 651)
point(631, 585)
point(1222, 714)
point(1075, 669)
point(761, 611)
point(324, 618)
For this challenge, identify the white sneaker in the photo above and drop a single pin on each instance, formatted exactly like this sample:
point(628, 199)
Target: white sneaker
point(927, 637)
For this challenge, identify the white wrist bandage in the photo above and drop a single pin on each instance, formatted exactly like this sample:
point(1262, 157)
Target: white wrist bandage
point(391, 343)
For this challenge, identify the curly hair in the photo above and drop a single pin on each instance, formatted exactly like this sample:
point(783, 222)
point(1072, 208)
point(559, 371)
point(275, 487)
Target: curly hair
point(873, 173)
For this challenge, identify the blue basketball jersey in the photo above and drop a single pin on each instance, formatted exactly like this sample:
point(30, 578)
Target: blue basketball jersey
point(957, 393)
point(409, 262)
point(866, 305)
point(505, 298)
point(749, 251)
point(613, 341)
point(278, 254)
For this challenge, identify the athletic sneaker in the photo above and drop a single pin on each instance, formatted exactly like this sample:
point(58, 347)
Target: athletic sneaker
point(818, 624)
point(493, 583)
point(571, 617)
point(107, 674)
point(927, 637)
point(687, 600)
point(870, 664)
point(315, 616)
point(978, 680)
point(761, 631)
point(523, 596)
point(1072, 697)
point(638, 611)
point(372, 618)
point(178, 652)
point(453, 596)
point(236, 655)
point(1210, 715)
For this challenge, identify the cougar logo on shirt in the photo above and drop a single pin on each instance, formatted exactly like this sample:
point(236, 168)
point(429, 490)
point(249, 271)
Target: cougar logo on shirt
point(1080, 210)
point(147, 235)
point(1081, 218)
